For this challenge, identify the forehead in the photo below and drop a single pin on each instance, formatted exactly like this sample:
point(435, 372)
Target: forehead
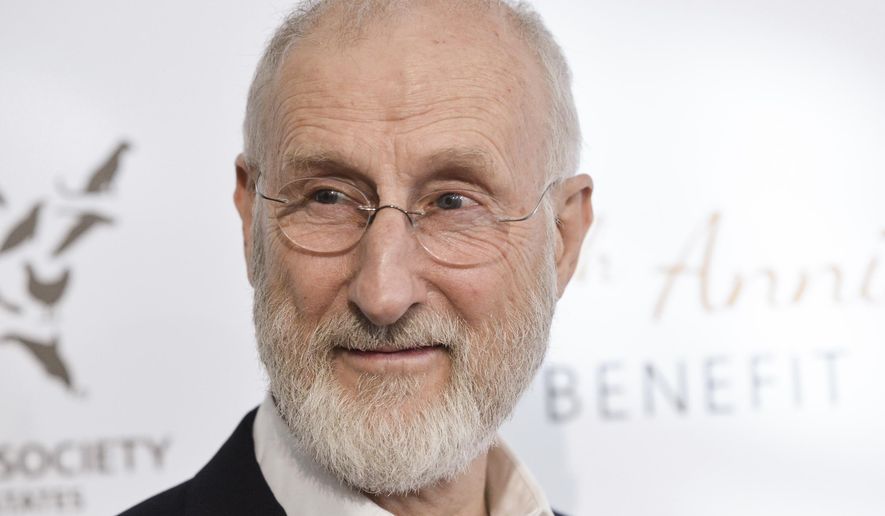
point(423, 86)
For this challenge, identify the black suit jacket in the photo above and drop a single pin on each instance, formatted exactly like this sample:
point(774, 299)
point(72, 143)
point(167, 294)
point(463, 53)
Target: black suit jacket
point(231, 484)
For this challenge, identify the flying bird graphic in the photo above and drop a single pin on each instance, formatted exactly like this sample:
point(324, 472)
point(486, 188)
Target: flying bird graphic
point(23, 231)
point(46, 353)
point(47, 292)
point(83, 225)
point(103, 177)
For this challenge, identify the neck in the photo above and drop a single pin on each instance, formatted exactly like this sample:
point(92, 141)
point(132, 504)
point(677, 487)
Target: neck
point(461, 496)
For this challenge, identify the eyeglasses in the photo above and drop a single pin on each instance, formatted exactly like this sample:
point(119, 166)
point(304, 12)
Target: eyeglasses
point(458, 227)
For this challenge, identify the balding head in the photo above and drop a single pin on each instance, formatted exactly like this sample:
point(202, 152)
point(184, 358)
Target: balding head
point(337, 24)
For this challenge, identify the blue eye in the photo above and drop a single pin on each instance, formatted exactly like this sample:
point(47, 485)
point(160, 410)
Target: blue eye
point(450, 201)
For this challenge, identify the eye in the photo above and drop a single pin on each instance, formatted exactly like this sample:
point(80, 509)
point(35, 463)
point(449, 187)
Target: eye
point(452, 201)
point(327, 196)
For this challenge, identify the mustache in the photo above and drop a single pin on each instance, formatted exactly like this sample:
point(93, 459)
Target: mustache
point(418, 328)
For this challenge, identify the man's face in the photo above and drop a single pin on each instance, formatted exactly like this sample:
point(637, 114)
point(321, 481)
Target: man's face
point(432, 102)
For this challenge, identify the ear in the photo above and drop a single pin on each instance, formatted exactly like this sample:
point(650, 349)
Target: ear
point(574, 215)
point(244, 198)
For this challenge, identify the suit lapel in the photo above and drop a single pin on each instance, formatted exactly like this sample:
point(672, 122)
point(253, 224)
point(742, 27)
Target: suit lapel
point(232, 483)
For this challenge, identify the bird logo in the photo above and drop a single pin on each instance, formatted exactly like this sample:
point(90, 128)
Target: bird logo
point(46, 274)
point(102, 179)
point(23, 231)
point(47, 292)
point(85, 222)
point(46, 354)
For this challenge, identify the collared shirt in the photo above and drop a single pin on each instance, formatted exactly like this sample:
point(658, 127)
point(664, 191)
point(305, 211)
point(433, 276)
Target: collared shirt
point(304, 488)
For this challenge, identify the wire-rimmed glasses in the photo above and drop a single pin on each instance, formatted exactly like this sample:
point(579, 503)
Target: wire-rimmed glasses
point(460, 227)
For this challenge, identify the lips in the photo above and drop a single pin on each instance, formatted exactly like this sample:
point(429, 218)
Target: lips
point(390, 359)
point(392, 349)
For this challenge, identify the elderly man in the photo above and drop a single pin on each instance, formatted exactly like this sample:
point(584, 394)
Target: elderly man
point(410, 216)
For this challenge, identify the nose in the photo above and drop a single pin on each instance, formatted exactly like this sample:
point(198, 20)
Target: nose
point(387, 282)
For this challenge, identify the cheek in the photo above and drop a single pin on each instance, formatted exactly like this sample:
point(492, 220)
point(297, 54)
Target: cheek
point(483, 294)
point(474, 294)
point(314, 284)
point(525, 252)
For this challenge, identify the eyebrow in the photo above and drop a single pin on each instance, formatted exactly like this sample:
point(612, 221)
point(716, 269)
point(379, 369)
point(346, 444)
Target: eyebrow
point(301, 160)
point(468, 164)
point(470, 158)
point(327, 162)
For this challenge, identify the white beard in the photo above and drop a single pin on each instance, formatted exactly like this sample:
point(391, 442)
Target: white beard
point(379, 439)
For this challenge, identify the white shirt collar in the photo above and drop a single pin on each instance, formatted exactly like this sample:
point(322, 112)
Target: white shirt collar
point(303, 487)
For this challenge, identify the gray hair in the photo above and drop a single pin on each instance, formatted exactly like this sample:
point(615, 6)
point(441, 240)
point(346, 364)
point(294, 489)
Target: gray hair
point(563, 135)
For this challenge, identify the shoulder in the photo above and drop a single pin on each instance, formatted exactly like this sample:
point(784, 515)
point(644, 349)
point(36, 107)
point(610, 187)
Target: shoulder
point(230, 484)
point(167, 503)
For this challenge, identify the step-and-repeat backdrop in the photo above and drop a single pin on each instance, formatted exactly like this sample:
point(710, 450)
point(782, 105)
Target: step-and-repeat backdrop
point(721, 350)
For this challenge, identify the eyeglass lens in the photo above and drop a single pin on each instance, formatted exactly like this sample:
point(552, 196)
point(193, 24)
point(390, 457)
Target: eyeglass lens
point(327, 215)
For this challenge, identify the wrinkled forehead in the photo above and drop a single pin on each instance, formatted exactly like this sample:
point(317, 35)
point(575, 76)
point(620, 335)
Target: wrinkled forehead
point(462, 76)
point(442, 36)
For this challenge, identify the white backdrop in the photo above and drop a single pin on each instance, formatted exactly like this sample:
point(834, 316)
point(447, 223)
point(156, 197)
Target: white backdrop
point(720, 351)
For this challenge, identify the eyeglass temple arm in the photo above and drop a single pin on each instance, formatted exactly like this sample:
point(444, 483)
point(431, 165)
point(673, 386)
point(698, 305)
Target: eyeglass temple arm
point(272, 199)
point(535, 209)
